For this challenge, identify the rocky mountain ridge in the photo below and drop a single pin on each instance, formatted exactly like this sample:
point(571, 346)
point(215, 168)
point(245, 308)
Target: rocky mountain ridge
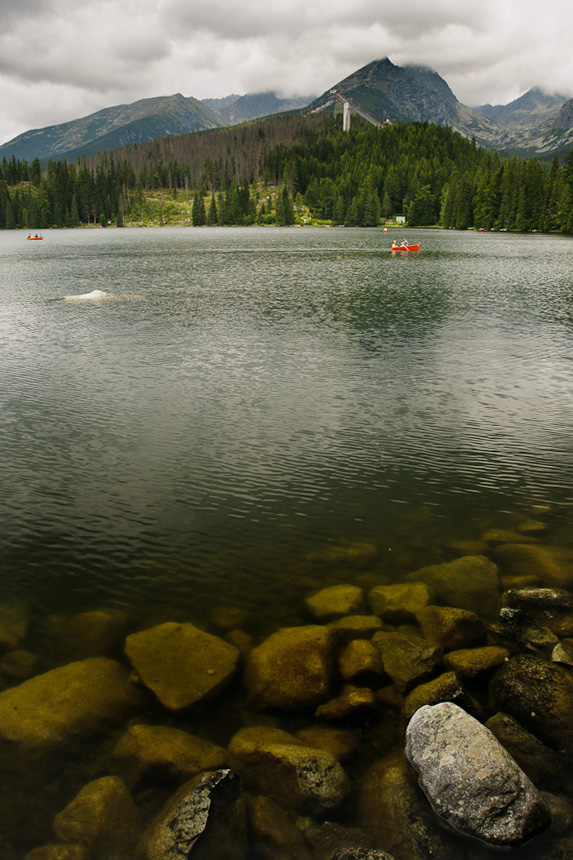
point(535, 124)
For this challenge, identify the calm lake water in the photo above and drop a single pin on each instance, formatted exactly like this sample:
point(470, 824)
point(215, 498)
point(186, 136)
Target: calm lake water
point(244, 399)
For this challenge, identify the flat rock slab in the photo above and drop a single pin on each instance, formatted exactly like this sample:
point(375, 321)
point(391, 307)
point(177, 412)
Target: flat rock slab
point(181, 664)
point(470, 780)
point(66, 703)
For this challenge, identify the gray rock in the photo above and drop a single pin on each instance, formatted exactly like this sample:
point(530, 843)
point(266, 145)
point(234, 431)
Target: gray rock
point(294, 774)
point(205, 820)
point(470, 780)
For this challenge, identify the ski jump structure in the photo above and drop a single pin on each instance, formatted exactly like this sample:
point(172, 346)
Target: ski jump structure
point(348, 106)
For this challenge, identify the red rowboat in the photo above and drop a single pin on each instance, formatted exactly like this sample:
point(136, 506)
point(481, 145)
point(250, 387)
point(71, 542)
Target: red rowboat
point(407, 247)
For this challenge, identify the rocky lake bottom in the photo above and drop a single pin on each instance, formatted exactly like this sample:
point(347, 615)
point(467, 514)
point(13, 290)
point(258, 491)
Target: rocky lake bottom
point(402, 711)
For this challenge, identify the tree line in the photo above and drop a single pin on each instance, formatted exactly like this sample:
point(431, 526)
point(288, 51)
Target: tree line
point(292, 168)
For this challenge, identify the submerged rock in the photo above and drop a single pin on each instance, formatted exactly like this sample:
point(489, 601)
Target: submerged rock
point(164, 751)
point(539, 694)
point(275, 832)
point(181, 664)
point(72, 701)
point(355, 627)
point(291, 669)
point(470, 780)
point(14, 619)
point(552, 565)
point(540, 763)
point(59, 852)
point(360, 659)
point(444, 688)
point(341, 743)
point(471, 582)
point(399, 603)
point(449, 627)
point(96, 633)
point(351, 702)
point(103, 817)
point(294, 774)
point(330, 839)
point(394, 810)
point(335, 601)
point(469, 663)
point(408, 658)
point(205, 820)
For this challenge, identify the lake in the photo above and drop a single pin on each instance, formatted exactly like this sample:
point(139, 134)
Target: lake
point(247, 403)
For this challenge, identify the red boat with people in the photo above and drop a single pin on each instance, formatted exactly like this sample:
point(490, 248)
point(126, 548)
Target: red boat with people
point(35, 238)
point(405, 247)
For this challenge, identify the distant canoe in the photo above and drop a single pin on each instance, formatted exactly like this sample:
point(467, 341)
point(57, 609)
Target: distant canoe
point(34, 238)
point(407, 247)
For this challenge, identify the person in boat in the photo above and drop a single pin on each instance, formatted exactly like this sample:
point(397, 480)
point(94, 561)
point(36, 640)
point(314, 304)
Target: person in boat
point(405, 243)
point(394, 245)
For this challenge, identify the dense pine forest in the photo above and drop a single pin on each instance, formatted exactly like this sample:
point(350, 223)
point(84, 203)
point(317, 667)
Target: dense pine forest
point(290, 170)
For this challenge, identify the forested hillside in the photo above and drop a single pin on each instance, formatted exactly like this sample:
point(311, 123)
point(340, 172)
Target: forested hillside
point(295, 169)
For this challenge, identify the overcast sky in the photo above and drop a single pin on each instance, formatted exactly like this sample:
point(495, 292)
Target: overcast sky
point(64, 59)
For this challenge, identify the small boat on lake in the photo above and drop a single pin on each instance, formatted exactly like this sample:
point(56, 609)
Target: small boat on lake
point(34, 238)
point(406, 247)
